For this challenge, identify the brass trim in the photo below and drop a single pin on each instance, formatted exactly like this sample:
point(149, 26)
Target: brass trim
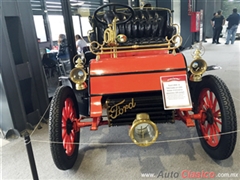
point(78, 62)
point(196, 76)
point(117, 110)
point(136, 48)
point(79, 66)
point(80, 85)
point(88, 34)
point(111, 46)
point(109, 119)
point(178, 28)
point(140, 119)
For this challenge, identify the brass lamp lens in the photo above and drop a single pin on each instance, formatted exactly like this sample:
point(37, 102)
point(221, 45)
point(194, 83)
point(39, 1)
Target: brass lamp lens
point(198, 67)
point(78, 75)
point(195, 65)
point(144, 133)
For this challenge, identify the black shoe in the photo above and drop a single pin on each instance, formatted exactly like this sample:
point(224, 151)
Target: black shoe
point(218, 43)
point(213, 42)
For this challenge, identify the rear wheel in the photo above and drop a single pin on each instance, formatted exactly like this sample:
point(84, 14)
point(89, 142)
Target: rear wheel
point(63, 136)
point(218, 124)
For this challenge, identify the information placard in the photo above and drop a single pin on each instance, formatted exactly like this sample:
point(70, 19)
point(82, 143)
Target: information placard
point(175, 92)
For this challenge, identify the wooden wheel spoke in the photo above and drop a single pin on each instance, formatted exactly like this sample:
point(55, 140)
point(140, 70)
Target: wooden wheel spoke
point(68, 140)
point(64, 114)
point(72, 135)
point(64, 133)
point(214, 135)
point(72, 115)
point(214, 104)
point(67, 111)
point(66, 107)
point(209, 102)
point(216, 128)
point(216, 113)
point(207, 128)
point(64, 123)
point(211, 132)
point(216, 120)
point(205, 104)
point(69, 144)
point(69, 148)
point(65, 142)
point(211, 97)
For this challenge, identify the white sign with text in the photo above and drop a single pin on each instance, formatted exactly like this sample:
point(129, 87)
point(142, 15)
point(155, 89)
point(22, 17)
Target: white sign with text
point(175, 92)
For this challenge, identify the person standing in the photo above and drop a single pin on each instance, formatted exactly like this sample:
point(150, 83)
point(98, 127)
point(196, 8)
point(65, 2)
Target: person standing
point(214, 14)
point(217, 22)
point(80, 43)
point(233, 21)
point(63, 53)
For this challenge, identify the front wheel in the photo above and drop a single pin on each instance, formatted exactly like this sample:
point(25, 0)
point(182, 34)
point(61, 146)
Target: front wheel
point(218, 125)
point(63, 136)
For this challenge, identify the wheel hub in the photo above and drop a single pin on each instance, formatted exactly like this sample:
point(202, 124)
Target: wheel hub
point(69, 126)
point(209, 116)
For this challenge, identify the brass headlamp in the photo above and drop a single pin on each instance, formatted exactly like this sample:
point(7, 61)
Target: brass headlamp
point(197, 67)
point(143, 132)
point(78, 75)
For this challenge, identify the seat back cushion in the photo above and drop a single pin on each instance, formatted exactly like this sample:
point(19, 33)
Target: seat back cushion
point(146, 27)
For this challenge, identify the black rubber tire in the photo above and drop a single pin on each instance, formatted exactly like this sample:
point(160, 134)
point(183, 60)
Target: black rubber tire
point(227, 141)
point(60, 158)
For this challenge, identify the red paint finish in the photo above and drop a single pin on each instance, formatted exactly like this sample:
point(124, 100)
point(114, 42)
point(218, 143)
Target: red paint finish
point(94, 123)
point(137, 64)
point(211, 131)
point(186, 118)
point(128, 83)
point(130, 72)
point(96, 106)
point(133, 73)
point(68, 117)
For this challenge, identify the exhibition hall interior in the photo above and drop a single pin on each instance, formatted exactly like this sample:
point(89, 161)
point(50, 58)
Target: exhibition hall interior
point(119, 89)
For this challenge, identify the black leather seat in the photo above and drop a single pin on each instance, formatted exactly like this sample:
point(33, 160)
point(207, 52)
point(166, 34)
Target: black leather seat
point(146, 27)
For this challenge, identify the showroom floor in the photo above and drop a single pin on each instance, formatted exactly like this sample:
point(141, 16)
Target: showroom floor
point(109, 154)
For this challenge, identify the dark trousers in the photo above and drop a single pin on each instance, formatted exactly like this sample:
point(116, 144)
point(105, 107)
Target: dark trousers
point(216, 33)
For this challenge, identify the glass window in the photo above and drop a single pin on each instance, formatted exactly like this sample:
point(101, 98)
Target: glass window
point(57, 26)
point(39, 26)
point(85, 26)
point(76, 25)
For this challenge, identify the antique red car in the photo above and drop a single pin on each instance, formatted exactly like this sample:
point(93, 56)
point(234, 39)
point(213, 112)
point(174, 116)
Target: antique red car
point(135, 75)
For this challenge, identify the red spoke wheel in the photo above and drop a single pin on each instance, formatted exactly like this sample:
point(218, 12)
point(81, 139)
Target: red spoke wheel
point(64, 138)
point(219, 123)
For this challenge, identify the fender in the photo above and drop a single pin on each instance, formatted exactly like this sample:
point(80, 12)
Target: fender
point(65, 81)
point(213, 67)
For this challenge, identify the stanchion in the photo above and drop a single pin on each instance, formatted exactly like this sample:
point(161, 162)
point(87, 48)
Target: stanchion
point(30, 156)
